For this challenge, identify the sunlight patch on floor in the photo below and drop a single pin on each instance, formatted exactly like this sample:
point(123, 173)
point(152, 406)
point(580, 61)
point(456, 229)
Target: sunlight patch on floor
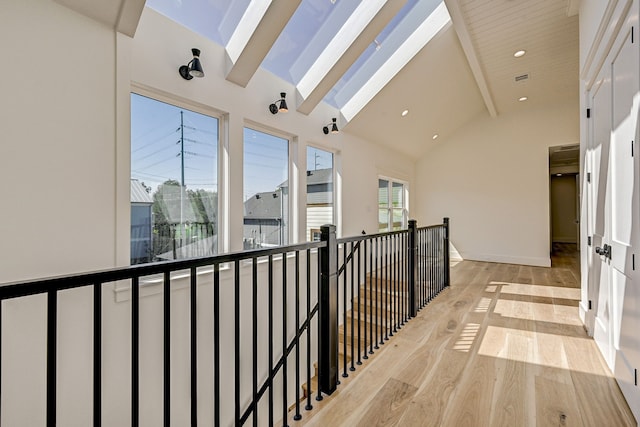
point(483, 305)
point(467, 337)
point(497, 340)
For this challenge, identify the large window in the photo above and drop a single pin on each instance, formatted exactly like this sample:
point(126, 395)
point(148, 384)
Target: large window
point(319, 191)
point(266, 190)
point(392, 205)
point(174, 192)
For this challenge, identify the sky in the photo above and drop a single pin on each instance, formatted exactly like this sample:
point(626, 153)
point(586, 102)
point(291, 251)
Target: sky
point(156, 150)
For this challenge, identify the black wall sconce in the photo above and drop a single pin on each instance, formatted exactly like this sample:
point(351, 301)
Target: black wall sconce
point(193, 68)
point(334, 127)
point(283, 105)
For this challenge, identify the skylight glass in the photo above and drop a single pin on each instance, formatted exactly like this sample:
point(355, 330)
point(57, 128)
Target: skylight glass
point(213, 19)
point(411, 19)
point(307, 34)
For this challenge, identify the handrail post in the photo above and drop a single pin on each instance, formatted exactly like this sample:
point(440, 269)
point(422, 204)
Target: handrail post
point(412, 267)
point(447, 263)
point(328, 312)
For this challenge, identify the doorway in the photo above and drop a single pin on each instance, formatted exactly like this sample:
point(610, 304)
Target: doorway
point(564, 198)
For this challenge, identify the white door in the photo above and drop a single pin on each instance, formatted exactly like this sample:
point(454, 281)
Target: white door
point(624, 223)
point(599, 283)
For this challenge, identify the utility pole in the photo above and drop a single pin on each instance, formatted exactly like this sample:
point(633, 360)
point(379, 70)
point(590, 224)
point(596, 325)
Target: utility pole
point(182, 189)
point(182, 149)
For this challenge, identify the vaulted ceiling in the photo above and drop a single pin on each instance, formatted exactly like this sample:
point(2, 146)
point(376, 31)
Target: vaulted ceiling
point(445, 62)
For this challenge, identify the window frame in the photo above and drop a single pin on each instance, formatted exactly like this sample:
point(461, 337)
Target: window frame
point(221, 147)
point(292, 199)
point(390, 208)
point(334, 191)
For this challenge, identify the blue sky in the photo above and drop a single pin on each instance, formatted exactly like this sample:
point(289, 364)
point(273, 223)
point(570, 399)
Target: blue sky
point(155, 150)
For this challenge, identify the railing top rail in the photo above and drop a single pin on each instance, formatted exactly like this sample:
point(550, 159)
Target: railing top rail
point(59, 283)
point(427, 227)
point(370, 236)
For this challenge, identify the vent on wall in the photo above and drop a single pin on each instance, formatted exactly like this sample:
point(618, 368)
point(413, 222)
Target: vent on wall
point(522, 77)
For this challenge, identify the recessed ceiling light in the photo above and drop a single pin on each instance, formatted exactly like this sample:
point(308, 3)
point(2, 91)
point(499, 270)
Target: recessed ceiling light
point(435, 136)
point(519, 53)
point(405, 112)
point(558, 174)
point(522, 98)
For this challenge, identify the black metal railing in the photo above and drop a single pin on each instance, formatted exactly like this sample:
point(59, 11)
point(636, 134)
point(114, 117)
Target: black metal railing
point(271, 313)
point(380, 282)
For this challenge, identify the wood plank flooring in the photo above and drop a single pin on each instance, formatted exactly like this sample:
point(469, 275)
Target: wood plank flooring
point(503, 346)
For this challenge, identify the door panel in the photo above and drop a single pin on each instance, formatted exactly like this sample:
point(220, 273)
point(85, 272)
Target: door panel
point(625, 74)
point(600, 292)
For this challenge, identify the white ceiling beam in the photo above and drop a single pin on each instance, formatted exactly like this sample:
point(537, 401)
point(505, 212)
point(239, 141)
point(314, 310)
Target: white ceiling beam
point(335, 60)
point(414, 42)
point(467, 46)
point(121, 15)
point(260, 26)
point(573, 7)
point(129, 17)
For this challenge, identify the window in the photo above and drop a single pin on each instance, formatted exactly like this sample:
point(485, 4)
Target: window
point(266, 190)
point(319, 191)
point(174, 192)
point(392, 205)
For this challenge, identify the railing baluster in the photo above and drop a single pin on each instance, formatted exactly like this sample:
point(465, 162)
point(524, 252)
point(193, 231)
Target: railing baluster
point(447, 261)
point(135, 351)
point(345, 336)
point(216, 341)
point(309, 406)
point(52, 326)
point(284, 339)
point(366, 300)
point(1, 301)
point(236, 315)
point(97, 354)
point(194, 345)
point(319, 281)
point(353, 315)
point(394, 300)
point(255, 339)
point(377, 317)
point(387, 287)
point(297, 415)
point(167, 349)
point(270, 358)
point(359, 285)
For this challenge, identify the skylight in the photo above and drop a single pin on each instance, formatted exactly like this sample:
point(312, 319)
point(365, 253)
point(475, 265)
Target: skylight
point(419, 22)
point(213, 19)
point(321, 40)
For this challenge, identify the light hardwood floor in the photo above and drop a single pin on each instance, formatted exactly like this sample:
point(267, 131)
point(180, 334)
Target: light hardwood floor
point(503, 346)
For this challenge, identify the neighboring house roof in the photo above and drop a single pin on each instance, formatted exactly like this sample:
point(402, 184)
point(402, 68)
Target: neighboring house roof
point(139, 193)
point(264, 205)
point(319, 176)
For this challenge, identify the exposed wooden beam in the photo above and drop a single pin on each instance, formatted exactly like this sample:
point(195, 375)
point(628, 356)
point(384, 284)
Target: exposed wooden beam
point(460, 26)
point(246, 52)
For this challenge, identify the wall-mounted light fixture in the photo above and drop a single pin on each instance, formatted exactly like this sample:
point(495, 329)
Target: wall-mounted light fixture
point(193, 68)
point(283, 105)
point(334, 127)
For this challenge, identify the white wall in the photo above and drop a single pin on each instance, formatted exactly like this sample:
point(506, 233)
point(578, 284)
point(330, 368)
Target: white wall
point(491, 178)
point(58, 127)
point(57, 104)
